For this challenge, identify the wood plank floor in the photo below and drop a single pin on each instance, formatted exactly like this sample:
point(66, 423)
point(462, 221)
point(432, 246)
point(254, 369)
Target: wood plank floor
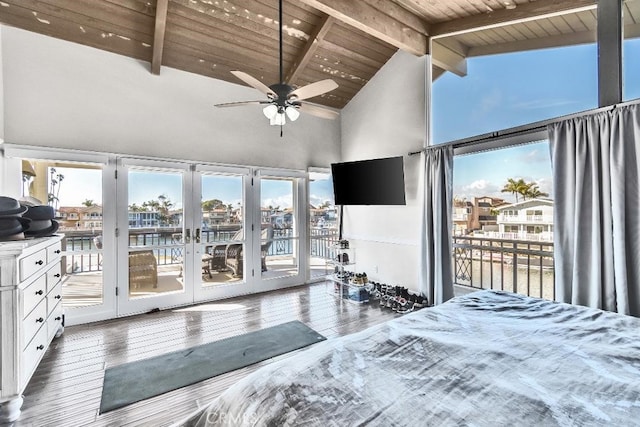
point(67, 386)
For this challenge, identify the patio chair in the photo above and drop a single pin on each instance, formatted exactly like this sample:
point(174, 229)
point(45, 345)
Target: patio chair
point(267, 235)
point(234, 259)
point(143, 269)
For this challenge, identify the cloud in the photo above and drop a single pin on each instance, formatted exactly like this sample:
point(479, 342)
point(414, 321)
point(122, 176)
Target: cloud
point(538, 104)
point(282, 201)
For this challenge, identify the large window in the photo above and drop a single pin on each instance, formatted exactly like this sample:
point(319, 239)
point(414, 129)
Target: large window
point(513, 89)
point(505, 239)
point(631, 50)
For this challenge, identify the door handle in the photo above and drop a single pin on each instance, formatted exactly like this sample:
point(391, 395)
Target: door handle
point(187, 235)
point(197, 235)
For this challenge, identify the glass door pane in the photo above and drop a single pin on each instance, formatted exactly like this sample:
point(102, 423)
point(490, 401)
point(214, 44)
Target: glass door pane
point(75, 192)
point(157, 240)
point(222, 237)
point(279, 231)
point(323, 223)
point(156, 251)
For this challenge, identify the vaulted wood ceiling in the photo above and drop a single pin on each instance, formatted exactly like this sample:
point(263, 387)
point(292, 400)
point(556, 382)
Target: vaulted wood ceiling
point(346, 40)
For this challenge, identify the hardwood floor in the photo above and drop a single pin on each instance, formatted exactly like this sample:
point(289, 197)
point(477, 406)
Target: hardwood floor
point(67, 386)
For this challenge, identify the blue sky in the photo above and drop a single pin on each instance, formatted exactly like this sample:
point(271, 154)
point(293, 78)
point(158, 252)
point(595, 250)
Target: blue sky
point(503, 91)
point(499, 92)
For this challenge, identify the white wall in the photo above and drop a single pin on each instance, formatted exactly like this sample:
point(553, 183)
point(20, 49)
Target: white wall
point(10, 175)
point(61, 94)
point(388, 118)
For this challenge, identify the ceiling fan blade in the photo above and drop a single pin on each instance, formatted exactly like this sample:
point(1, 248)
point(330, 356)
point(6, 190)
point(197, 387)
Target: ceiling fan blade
point(241, 103)
point(318, 111)
point(313, 89)
point(253, 82)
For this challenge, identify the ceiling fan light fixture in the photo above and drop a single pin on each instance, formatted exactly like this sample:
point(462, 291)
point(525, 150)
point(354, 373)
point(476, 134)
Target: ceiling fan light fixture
point(292, 113)
point(270, 111)
point(278, 120)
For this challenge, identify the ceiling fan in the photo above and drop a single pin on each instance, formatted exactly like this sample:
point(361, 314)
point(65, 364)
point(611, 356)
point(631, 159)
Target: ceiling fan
point(282, 98)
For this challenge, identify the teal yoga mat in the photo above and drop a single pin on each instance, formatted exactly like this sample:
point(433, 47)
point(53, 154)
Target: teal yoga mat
point(132, 382)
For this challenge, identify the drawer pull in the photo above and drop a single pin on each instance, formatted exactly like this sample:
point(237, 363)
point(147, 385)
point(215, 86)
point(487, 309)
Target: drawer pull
point(56, 275)
point(40, 292)
point(39, 320)
point(57, 251)
point(40, 347)
point(58, 318)
point(57, 297)
point(39, 262)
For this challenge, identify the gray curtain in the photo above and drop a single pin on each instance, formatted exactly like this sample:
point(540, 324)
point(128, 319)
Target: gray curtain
point(436, 280)
point(597, 209)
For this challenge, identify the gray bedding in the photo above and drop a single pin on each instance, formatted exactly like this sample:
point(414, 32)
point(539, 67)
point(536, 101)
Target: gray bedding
point(483, 359)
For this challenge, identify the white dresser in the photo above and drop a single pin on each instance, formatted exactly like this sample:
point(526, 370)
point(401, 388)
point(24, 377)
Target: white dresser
point(30, 312)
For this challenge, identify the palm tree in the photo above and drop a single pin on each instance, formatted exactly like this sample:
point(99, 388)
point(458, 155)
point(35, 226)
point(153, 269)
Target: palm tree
point(533, 191)
point(88, 203)
point(514, 187)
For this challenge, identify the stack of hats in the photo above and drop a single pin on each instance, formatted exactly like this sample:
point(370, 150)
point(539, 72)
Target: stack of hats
point(12, 224)
point(18, 221)
point(42, 221)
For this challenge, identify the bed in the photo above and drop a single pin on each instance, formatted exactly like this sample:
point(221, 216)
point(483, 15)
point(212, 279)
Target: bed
point(484, 359)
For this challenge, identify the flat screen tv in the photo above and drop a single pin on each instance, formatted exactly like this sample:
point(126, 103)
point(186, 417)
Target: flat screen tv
point(369, 182)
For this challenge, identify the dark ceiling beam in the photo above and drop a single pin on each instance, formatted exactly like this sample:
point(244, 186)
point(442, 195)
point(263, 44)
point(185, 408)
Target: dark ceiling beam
point(501, 17)
point(158, 35)
point(309, 49)
point(364, 16)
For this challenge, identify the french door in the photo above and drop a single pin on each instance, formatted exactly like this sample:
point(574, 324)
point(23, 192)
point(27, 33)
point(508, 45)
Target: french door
point(154, 235)
point(190, 233)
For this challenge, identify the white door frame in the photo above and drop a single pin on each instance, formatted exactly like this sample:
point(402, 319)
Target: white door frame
point(300, 202)
point(223, 290)
point(126, 305)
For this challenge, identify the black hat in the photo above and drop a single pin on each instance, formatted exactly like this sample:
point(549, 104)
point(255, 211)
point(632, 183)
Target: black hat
point(9, 206)
point(38, 213)
point(42, 227)
point(10, 225)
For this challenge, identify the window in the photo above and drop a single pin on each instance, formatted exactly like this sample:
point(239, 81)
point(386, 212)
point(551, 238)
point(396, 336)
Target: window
point(513, 89)
point(631, 50)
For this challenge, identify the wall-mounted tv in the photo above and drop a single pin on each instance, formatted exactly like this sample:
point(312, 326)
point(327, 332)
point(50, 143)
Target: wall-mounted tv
point(369, 182)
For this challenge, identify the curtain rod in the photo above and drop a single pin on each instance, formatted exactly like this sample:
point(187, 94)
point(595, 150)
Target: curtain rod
point(531, 128)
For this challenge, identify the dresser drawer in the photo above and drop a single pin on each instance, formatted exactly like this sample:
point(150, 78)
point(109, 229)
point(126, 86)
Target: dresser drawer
point(32, 354)
point(34, 322)
point(34, 293)
point(54, 276)
point(54, 297)
point(53, 251)
point(55, 320)
point(30, 265)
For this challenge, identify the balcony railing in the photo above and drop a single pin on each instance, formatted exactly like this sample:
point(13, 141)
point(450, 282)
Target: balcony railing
point(520, 266)
point(526, 218)
point(82, 255)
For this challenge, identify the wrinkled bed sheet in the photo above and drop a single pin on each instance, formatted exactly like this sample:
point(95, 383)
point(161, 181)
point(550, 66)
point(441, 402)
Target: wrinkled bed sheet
point(483, 359)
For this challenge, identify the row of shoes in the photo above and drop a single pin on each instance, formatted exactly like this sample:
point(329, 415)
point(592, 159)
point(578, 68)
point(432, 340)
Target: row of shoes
point(397, 298)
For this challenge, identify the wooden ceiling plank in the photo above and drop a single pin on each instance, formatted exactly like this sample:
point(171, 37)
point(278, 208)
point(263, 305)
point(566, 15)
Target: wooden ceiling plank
point(110, 20)
point(142, 6)
point(51, 26)
point(366, 18)
point(400, 14)
point(246, 35)
point(522, 13)
point(582, 37)
point(158, 35)
point(309, 50)
point(331, 60)
point(341, 51)
point(355, 40)
point(214, 61)
point(448, 60)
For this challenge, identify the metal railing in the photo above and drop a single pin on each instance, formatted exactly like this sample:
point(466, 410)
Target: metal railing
point(83, 248)
point(519, 266)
